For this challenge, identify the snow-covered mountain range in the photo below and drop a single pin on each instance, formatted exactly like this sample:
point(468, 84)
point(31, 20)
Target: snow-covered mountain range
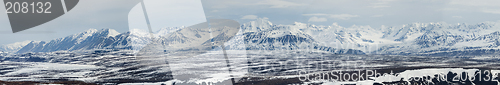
point(95, 39)
point(90, 39)
point(14, 47)
point(410, 39)
point(263, 35)
point(444, 39)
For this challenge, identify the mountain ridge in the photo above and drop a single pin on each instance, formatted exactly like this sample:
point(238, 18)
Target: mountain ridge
point(14, 47)
point(261, 34)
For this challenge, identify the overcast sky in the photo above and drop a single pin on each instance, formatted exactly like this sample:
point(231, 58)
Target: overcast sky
point(120, 15)
point(114, 14)
point(356, 12)
point(87, 14)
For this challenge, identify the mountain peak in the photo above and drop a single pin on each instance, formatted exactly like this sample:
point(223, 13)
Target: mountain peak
point(335, 24)
point(263, 21)
point(164, 31)
point(89, 39)
point(13, 47)
point(257, 25)
point(110, 32)
point(299, 23)
point(90, 31)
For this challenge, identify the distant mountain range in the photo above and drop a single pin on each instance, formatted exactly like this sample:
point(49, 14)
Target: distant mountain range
point(14, 47)
point(90, 39)
point(94, 39)
point(439, 39)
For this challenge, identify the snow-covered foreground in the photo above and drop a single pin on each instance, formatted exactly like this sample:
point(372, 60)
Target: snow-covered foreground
point(34, 71)
point(212, 67)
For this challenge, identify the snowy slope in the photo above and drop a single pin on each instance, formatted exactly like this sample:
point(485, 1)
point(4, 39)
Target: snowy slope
point(263, 35)
point(460, 39)
point(415, 39)
point(90, 39)
point(362, 38)
point(199, 37)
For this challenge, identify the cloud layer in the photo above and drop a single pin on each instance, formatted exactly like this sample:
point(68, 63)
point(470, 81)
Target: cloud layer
point(357, 12)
